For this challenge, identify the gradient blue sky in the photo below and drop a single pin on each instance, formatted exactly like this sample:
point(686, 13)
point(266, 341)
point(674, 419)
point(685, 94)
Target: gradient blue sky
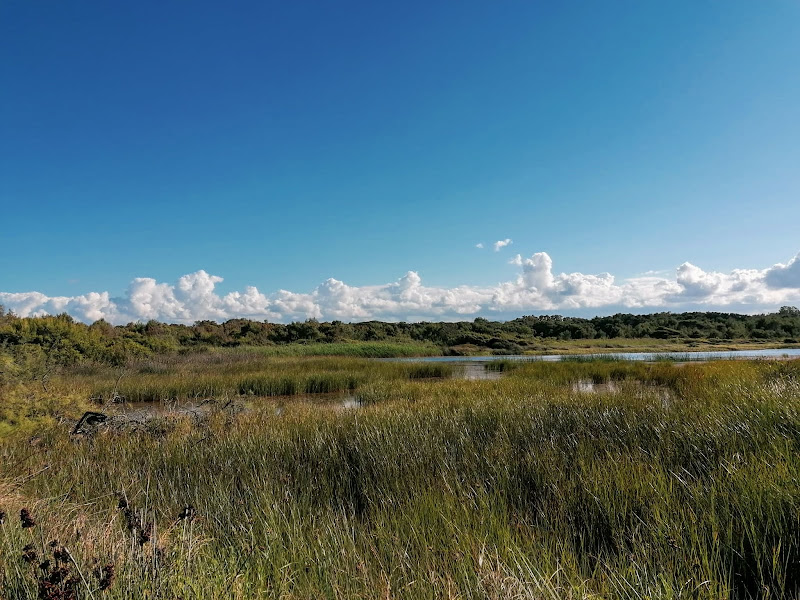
point(279, 144)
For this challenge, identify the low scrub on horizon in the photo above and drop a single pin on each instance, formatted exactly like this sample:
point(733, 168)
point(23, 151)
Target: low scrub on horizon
point(60, 340)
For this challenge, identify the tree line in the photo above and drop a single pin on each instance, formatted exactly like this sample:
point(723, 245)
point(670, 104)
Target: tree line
point(64, 340)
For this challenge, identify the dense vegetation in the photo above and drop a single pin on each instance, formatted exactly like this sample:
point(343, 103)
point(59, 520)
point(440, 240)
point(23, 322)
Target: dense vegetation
point(277, 461)
point(669, 482)
point(64, 341)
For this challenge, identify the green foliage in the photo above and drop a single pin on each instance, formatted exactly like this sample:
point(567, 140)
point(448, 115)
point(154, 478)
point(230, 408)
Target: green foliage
point(42, 345)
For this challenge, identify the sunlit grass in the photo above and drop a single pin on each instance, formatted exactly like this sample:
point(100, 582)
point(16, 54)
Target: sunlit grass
point(445, 488)
point(226, 374)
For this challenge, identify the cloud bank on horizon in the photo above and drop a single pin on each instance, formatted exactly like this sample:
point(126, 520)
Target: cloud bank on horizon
point(535, 289)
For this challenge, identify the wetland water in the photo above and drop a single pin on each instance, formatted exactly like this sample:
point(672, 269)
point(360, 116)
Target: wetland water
point(635, 356)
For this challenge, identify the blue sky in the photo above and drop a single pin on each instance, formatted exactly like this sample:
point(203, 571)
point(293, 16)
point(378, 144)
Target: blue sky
point(278, 145)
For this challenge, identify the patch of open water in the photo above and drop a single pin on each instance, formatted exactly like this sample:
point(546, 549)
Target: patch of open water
point(587, 386)
point(661, 392)
point(475, 372)
point(635, 356)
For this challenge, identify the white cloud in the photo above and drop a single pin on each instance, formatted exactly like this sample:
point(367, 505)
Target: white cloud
point(697, 283)
point(502, 244)
point(479, 245)
point(535, 288)
point(785, 276)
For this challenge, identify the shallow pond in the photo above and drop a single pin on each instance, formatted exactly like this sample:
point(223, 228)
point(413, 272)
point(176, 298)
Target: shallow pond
point(475, 371)
point(587, 386)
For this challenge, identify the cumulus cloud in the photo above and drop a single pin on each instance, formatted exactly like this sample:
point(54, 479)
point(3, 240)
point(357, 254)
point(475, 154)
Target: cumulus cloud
point(697, 283)
point(502, 244)
point(479, 245)
point(536, 288)
point(784, 276)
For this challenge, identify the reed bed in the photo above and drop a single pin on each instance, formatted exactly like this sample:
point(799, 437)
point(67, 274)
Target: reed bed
point(515, 488)
point(592, 358)
point(353, 349)
point(509, 364)
point(228, 374)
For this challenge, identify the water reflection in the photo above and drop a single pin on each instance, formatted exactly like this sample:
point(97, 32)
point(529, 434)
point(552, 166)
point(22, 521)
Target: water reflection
point(635, 356)
point(475, 372)
point(587, 386)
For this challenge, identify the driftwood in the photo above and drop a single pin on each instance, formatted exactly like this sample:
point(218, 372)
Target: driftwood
point(141, 419)
point(89, 419)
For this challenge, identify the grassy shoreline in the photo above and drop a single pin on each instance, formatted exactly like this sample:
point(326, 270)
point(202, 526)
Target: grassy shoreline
point(648, 345)
point(630, 345)
point(538, 348)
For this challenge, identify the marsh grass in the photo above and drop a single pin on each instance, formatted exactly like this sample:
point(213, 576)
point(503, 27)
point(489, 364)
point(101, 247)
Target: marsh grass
point(679, 357)
point(515, 488)
point(592, 358)
point(351, 349)
point(505, 365)
point(226, 374)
